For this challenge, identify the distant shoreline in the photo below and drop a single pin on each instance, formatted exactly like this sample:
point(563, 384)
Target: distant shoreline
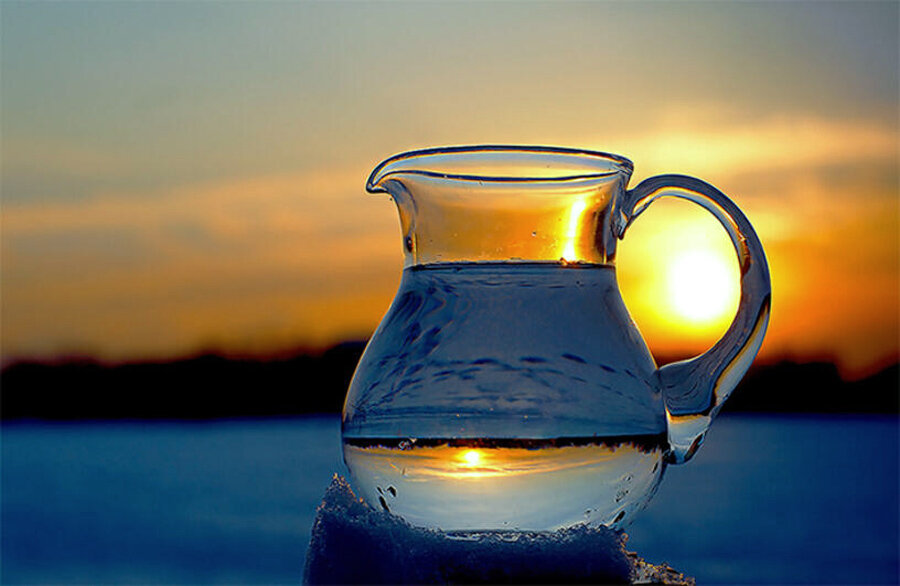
point(210, 387)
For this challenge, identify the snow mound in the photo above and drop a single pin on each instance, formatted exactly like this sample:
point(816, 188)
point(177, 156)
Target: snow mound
point(353, 543)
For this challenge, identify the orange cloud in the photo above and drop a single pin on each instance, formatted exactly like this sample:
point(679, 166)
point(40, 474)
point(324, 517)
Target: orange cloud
point(286, 259)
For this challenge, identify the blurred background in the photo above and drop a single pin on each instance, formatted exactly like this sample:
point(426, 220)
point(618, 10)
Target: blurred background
point(189, 257)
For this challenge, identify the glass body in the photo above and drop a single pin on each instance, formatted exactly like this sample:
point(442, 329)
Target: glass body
point(507, 387)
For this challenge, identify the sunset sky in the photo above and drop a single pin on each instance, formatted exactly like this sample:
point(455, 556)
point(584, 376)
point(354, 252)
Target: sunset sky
point(188, 176)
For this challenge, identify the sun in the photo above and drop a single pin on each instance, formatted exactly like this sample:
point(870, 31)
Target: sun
point(471, 458)
point(701, 286)
point(679, 277)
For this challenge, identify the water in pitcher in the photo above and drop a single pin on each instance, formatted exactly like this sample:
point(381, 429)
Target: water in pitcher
point(507, 484)
point(488, 401)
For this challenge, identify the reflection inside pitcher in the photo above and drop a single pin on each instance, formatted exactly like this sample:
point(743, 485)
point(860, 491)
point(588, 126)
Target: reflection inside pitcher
point(508, 484)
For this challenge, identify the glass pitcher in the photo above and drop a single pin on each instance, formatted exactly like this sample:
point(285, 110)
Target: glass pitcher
point(507, 388)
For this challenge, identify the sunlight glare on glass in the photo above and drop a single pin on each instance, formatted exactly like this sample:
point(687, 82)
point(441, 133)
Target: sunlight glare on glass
point(700, 285)
point(575, 213)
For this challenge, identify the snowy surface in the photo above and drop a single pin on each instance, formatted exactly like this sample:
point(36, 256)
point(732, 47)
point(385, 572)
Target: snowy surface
point(355, 544)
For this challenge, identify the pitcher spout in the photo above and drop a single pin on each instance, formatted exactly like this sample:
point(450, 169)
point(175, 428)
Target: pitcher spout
point(380, 180)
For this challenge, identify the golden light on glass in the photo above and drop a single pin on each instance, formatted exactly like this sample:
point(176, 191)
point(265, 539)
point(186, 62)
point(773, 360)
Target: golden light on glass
point(575, 213)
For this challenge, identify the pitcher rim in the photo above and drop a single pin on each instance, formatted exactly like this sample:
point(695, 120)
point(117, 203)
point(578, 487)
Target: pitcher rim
point(622, 164)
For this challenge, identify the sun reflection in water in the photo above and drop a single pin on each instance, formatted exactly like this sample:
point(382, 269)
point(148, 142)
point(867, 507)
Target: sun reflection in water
point(481, 463)
point(506, 487)
point(471, 458)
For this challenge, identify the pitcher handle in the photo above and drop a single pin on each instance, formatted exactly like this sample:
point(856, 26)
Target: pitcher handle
point(695, 389)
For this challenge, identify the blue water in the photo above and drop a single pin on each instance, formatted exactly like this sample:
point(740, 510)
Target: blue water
point(766, 500)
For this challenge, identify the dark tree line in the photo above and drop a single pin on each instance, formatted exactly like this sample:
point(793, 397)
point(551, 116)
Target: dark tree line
point(211, 386)
point(202, 387)
point(815, 387)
